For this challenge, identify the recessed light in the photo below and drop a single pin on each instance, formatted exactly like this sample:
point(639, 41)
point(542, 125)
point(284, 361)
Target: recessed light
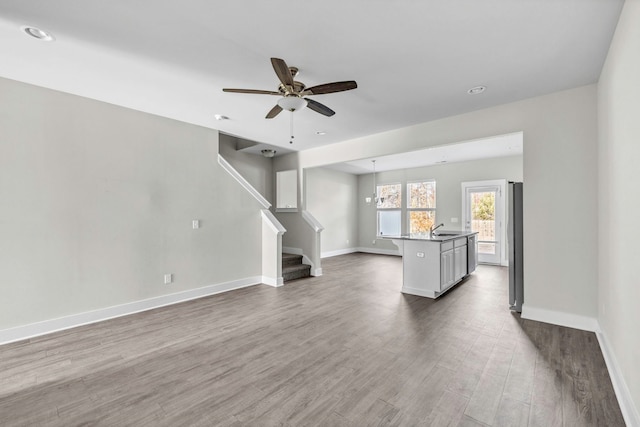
point(320, 132)
point(221, 117)
point(38, 33)
point(476, 90)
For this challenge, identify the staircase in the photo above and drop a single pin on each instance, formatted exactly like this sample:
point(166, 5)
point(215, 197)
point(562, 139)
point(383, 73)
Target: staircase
point(293, 268)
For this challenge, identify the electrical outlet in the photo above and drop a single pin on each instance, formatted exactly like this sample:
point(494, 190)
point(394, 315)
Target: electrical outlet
point(168, 278)
point(374, 242)
point(347, 241)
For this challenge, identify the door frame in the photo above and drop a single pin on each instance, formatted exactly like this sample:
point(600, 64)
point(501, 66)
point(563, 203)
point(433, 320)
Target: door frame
point(501, 210)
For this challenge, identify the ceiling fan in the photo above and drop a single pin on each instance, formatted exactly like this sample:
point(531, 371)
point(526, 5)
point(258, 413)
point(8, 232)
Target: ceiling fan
point(294, 94)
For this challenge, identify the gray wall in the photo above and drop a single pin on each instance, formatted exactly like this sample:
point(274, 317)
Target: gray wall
point(449, 178)
point(332, 198)
point(97, 204)
point(619, 204)
point(257, 170)
point(560, 160)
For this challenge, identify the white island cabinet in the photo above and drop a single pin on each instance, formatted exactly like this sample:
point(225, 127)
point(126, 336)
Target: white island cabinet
point(432, 265)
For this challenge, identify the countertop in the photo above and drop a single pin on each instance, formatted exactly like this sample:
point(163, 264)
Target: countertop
point(438, 236)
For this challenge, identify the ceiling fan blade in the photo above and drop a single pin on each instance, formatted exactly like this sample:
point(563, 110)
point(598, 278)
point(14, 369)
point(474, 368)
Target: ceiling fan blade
point(330, 88)
point(282, 71)
point(274, 112)
point(319, 108)
point(254, 91)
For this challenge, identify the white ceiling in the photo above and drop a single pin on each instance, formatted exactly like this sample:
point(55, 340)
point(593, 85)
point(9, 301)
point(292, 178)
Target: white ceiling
point(413, 60)
point(485, 148)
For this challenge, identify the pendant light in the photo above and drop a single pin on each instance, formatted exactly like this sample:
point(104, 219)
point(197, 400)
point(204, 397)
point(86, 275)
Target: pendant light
point(375, 188)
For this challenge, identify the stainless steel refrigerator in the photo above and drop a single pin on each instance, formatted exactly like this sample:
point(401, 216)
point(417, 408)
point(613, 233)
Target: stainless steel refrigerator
point(514, 236)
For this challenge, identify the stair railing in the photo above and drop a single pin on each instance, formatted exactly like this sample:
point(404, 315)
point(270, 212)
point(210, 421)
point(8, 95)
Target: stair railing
point(272, 230)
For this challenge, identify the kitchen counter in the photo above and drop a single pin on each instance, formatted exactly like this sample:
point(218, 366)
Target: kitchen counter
point(441, 236)
point(431, 265)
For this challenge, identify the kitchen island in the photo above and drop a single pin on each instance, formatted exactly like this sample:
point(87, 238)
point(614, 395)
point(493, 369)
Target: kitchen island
point(432, 264)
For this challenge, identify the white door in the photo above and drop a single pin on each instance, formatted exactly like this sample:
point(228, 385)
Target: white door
point(483, 211)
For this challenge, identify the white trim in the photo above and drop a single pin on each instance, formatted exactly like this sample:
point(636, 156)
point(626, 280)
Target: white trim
point(628, 409)
point(243, 182)
point(501, 213)
point(292, 251)
point(54, 325)
point(560, 318)
point(272, 222)
point(316, 272)
point(317, 227)
point(337, 252)
point(276, 283)
point(395, 252)
point(419, 292)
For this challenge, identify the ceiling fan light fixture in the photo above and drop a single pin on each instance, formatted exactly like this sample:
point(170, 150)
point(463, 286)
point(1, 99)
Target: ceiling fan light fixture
point(268, 152)
point(292, 103)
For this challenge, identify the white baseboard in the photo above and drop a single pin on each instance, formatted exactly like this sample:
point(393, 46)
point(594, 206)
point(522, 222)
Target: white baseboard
point(418, 292)
point(275, 282)
point(395, 252)
point(290, 250)
point(559, 318)
point(315, 271)
point(337, 252)
point(54, 325)
point(628, 409)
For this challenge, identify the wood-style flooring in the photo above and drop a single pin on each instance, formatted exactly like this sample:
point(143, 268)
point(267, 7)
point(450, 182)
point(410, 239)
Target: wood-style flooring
point(344, 349)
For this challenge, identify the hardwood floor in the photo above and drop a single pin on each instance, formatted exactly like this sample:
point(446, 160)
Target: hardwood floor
point(344, 349)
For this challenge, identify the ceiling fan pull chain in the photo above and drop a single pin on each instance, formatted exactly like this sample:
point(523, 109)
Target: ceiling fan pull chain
point(291, 128)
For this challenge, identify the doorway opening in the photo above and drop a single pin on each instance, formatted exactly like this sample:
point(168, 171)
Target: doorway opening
point(483, 211)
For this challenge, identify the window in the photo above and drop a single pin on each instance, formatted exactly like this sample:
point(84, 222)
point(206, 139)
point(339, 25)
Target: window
point(421, 206)
point(389, 205)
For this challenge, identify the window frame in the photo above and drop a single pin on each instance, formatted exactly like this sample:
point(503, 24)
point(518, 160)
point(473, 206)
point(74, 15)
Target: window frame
point(410, 209)
point(383, 209)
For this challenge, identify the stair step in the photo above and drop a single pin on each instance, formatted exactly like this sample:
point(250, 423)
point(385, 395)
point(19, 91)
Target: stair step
point(291, 259)
point(293, 272)
point(293, 268)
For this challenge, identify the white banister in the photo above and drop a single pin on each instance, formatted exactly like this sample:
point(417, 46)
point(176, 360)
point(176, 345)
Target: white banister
point(272, 232)
point(315, 254)
point(272, 222)
point(243, 182)
point(314, 223)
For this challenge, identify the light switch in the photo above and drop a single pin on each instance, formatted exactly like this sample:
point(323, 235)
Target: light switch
point(420, 254)
point(195, 223)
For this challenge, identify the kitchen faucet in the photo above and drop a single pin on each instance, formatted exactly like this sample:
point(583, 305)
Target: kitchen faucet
point(432, 229)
